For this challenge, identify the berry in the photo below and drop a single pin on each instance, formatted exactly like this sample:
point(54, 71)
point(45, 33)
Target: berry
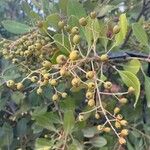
point(75, 30)
point(123, 122)
point(39, 91)
point(97, 116)
point(75, 82)
point(131, 89)
point(76, 39)
point(81, 117)
point(99, 127)
point(53, 82)
point(124, 132)
point(119, 117)
point(55, 97)
point(93, 15)
point(74, 55)
point(47, 64)
point(61, 59)
point(104, 57)
point(20, 86)
point(10, 83)
point(90, 74)
point(117, 125)
point(91, 85)
point(116, 29)
point(89, 95)
point(61, 24)
point(34, 78)
point(83, 21)
point(116, 110)
point(63, 72)
point(107, 85)
point(107, 129)
point(91, 102)
point(122, 141)
point(64, 95)
point(123, 100)
point(46, 76)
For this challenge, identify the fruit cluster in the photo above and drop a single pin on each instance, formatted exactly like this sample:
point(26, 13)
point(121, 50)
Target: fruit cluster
point(80, 68)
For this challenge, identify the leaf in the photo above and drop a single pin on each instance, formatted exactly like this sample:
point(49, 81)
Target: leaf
point(123, 24)
point(17, 97)
point(98, 141)
point(63, 5)
point(69, 121)
point(147, 89)
point(133, 66)
point(76, 9)
point(130, 79)
point(22, 127)
point(63, 47)
point(140, 33)
point(89, 132)
point(43, 144)
point(15, 27)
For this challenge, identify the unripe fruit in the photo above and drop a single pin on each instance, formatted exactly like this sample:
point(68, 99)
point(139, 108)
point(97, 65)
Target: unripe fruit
point(76, 39)
point(91, 85)
point(64, 95)
point(46, 76)
point(10, 83)
point(104, 57)
point(76, 82)
point(75, 30)
point(107, 129)
point(63, 72)
point(97, 116)
point(99, 127)
point(53, 82)
point(39, 91)
point(20, 86)
point(47, 64)
point(117, 125)
point(122, 141)
point(93, 15)
point(61, 59)
point(74, 55)
point(38, 46)
point(83, 21)
point(124, 132)
point(55, 97)
point(91, 102)
point(61, 24)
point(123, 122)
point(107, 85)
point(90, 74)
point(89, 95)
point(116, 110)
point(131, 89)
point(123, 100)
point(34, 78)
point(81, 117)
point(116, 29)
point(119, 117)
point(15, 60)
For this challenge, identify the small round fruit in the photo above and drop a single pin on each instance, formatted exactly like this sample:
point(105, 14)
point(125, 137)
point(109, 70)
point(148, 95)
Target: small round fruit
point(116, 110)
point(10, 83)
point(104, 58)
point(93, 15)
point(123, 122)
point(89, 95)
point(74, 55)
point(61, 59)
point(46, 76)
point(119, 117)
point(53, 82)
point(75, 82)
point(123, 100)
point(34, 78)
point(75, 30)
point(81, 117)
point(117, 125)
point(91, 85)
point(116, 29)
point(97, 116)
point(122, 141)
point(99, 127)
point(47, 64)
point(20, 86)
point(55, 97)
point(124, 132)
point(83, 21)
point(91, 102)
point(61, 24)
point(108, 85)
point(39, 91)
point(76, 39)
point(63, 72)
point(64, 95)
point(131, 89)
point(90, 74)
point(107, 129)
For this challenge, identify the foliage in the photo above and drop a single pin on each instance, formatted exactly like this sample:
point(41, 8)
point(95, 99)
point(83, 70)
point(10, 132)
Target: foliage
point(61, 87)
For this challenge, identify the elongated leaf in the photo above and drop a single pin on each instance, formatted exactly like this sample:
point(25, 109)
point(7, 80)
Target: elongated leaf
point(133, 66)
point(69, 121)
point(140, 33)
point(131, 80)
point(75, 8)
point(123, 24)
point(147, 89)
point(15, 27)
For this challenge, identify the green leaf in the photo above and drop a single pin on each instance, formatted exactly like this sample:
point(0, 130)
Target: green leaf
point(89, 132)
point(15, 27)
point(123, 24)
point(76, 9)
point(69, 121)
point(22, 127)
point(130, 79)
point(133, 66)
point(43, 144)
point(63, 47)
point(76, 145)
point(63, 5)
point(147, 89)
point(140, 33)
point(17, 97)
point(98, 141)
